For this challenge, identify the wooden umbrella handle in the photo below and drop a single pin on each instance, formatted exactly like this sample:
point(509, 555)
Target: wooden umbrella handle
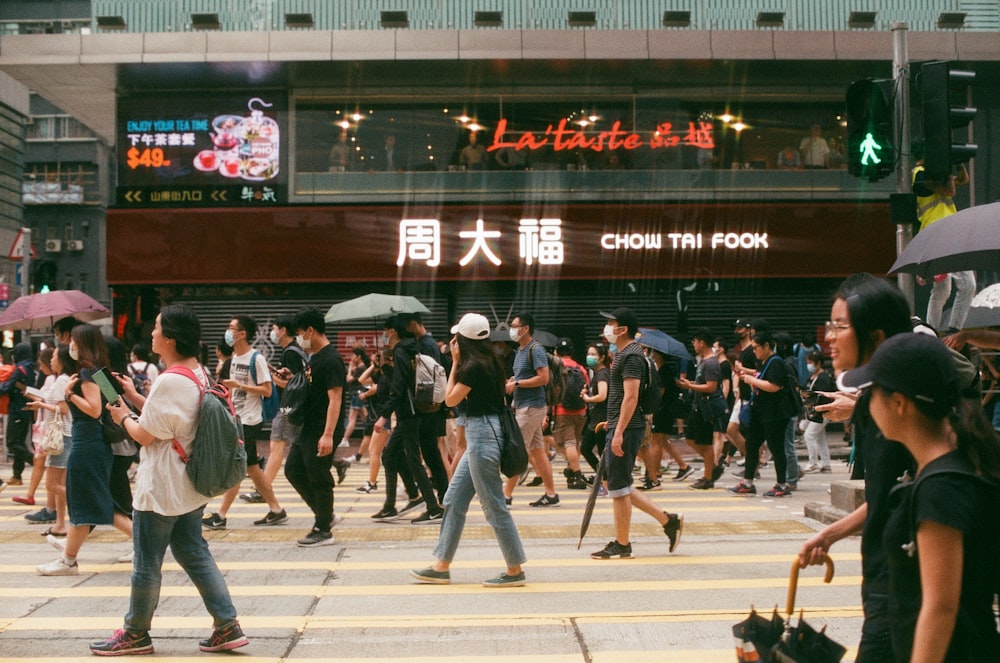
point(793, 582)
point(600, 427)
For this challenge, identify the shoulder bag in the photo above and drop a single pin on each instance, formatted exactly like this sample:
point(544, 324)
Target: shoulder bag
point(52, 440)
point(513, 455)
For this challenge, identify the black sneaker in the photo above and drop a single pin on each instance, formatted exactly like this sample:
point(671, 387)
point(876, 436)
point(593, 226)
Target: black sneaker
point(545, 500)
point(683, 473)
point(673, 528)
point(341, 466)
point(313, 539)
point(411, 505)
point(702, 484)
point(386, 515)
point(215, 521)
point(649, 484)
point(613, 550)
point(225, 638)
point(718, 471)
point(537, 481)
point(273, 518)
point(428, 517)
point(252, 497)
point(123, 643)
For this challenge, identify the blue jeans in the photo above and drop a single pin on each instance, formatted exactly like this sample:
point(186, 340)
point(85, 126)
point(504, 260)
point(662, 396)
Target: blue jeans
point(151, 534)
point(478, 473)
point(791, 457)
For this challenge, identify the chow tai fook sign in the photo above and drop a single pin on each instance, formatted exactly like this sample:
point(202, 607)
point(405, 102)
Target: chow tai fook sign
point(500, 242)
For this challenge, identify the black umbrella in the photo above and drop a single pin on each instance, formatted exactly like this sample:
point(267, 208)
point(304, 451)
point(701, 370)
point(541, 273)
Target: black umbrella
point(588, 509)
point(803, 643)
point(755, 636)
point(966, 240)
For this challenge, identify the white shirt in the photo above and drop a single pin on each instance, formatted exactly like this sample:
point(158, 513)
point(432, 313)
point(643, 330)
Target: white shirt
point(171, 412)
point(249, 407)
point(54, 391)
point(814, 151)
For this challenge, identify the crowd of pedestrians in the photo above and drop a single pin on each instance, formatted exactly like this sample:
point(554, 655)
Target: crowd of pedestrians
point(619, 409)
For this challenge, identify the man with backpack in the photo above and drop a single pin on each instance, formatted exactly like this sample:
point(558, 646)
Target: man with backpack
point(527, 385)
point(626, 428)
point(570, 414)
point(414, 439)
point(248, 394)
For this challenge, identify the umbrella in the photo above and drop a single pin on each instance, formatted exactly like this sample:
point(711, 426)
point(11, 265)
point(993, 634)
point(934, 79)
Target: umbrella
point(545, 338)
point(966, 240)
point(985, 309)
point(802, 642)
point(374, 306)
point(755, 636)
point(40, 311)
point(662, 342)
point(588, 509)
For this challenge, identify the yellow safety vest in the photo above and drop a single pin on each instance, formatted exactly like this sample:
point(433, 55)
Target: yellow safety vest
point(933, 207)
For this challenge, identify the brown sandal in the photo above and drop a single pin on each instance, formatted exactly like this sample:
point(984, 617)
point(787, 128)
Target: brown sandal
point(56, 534)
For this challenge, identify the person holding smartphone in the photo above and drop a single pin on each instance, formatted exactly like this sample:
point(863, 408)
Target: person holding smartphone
point(815, 433)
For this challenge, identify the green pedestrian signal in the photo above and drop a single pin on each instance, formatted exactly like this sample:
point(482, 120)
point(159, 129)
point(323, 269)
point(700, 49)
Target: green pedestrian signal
point(870, 146)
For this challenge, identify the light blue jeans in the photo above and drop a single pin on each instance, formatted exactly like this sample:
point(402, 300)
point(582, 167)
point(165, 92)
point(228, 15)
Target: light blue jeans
point(478, 473)
point(791, 456)
point(151, 534)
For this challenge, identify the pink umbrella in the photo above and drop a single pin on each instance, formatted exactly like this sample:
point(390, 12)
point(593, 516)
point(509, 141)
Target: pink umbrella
point(40, 311)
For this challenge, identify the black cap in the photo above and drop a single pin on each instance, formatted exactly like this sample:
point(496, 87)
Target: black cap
point(761, 325)
point(564, 346)
point(918, 366)
point(625, 318)
point(741, 323)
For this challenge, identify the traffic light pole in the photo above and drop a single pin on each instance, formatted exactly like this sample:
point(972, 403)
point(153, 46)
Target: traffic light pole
point(26, 262)
point(904, 166)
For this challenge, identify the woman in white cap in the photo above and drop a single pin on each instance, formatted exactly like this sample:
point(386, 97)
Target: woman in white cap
point(942, 554)
point(477, 379)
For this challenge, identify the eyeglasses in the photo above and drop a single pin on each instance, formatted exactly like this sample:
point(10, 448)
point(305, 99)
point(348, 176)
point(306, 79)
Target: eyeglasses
point(834, 328)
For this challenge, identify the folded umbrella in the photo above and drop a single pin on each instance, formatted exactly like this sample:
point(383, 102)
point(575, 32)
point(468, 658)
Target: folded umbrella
point(588, 509)
point(802, 643)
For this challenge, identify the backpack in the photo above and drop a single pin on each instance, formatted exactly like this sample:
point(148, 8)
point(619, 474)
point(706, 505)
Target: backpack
point(576, 381)
point(6, 371)
point(650, 389)
point(140, 379)
point(270, 404)
point(295, 395)
point(218, 460)
point(429, 383)
point(556, 387)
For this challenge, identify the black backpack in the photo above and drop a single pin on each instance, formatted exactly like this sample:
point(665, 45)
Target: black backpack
point(576, 382)
point(650, 389)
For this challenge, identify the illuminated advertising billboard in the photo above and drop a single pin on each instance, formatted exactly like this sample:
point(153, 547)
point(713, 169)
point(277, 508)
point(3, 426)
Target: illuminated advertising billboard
point(202, 150)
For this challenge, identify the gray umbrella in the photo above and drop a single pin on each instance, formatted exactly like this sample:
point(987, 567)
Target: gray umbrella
point(985, 310)
point(966, 240)
point(545, 338)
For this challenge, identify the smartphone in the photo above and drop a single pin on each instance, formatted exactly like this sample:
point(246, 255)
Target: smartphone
point(814, 398)
point(108, 384)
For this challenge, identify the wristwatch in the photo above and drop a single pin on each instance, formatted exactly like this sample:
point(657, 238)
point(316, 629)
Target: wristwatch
point(517, 384)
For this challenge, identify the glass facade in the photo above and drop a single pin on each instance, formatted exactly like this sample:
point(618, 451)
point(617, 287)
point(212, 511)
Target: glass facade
point(11, 167)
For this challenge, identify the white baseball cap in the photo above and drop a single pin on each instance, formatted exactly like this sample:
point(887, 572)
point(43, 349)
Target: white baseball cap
point(474, 326)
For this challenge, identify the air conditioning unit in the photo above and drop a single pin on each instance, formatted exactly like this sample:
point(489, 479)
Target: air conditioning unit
point(53, 246)
point(74, 245)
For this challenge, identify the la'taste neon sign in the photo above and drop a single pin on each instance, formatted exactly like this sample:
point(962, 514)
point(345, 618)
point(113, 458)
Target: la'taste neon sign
point(562, 137)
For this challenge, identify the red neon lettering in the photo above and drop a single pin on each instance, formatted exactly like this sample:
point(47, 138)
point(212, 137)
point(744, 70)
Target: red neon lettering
point(498, 142)
point(564, 138)
point(700, 136)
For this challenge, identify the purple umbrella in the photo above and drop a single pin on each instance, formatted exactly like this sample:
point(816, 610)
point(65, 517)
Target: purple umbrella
point(40, 311)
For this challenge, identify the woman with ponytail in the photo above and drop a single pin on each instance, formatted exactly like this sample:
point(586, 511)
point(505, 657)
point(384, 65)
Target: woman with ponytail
point(941, 539)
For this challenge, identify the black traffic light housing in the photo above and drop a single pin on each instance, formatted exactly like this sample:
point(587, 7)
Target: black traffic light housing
point(44, 275)
point(871, 148)
point(940, 85)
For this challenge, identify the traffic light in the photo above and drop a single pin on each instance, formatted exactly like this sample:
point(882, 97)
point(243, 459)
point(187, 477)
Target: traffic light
point(871, 151)
point(44, 275)
point(939, 86)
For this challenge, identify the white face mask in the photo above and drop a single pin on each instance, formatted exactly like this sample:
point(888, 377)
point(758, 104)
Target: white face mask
point(74, 354)
point(274, 337)
point(609, 334)
point(811, 368)
point(229, 337)
point(304, 343)
point(515, 334)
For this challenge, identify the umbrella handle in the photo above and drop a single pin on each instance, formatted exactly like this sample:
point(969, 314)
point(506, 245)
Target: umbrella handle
point(793, 582)
point(600, 427)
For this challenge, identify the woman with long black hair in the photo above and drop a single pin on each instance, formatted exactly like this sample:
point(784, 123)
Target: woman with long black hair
point(941, 551)
point(477, 379)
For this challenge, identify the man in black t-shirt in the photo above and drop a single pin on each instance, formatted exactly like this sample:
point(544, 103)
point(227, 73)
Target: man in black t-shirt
point(311, 457)
point(745, 361)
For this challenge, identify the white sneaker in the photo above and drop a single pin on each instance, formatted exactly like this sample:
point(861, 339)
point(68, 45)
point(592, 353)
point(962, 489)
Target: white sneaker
point(344, 443)
point(58, 568)
point(127, 557)
point(57, 543)
point(810, 468)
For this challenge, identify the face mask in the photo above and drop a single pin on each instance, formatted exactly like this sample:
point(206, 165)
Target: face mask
point(230, 337)
point(385, 339)
point(304, 343)
point(74, 354)
point(811, 368)
point(612, 349)
point(592, 362)
point(274, 337)
point(515, 333)
point(609, 334)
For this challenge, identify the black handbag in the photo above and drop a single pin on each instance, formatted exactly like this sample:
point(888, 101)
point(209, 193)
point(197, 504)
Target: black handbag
point(513, 455)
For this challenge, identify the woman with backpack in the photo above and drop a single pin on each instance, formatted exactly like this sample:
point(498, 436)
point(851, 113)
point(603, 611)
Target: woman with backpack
point(168, 508)
point(942, 553)
point(142, 371)
point(476, 379)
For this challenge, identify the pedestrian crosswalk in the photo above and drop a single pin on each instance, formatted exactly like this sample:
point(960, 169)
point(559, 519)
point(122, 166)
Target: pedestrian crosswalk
point(355, 601)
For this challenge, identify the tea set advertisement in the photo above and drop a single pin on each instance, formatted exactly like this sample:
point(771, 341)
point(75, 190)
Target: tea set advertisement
point(202, 149)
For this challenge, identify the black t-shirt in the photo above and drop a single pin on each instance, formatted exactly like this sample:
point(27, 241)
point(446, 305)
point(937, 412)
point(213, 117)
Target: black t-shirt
point(769, 406)
point(958, 501)
point(726, 373)
point(598, 412)
point(326, 371)
point(486, 389)
point(749, 361)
